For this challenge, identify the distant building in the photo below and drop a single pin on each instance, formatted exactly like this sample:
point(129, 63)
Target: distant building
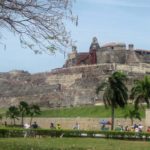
point(108, 53)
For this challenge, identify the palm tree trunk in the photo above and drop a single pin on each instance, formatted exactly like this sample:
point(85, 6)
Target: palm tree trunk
point(31, 120)
point(22, 123)
point(14, 121)
point(148, 104)
point(112, 117)
point(131, 121)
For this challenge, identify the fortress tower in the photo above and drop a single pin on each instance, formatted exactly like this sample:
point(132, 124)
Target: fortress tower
point(113, 52)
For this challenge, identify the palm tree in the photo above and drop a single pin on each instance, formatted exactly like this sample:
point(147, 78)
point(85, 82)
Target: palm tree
point(1, 117)
point(141, 92)
point(115, 92)
point(23, 110)
point(13, 113)
point(133, 114)
point(33, 110)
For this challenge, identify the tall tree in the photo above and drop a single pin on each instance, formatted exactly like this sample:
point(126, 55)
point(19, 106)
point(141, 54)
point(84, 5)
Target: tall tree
point(1, 117)
point(40, 24)
point(12, 113)
point(115, 92)
point(133, 114)
point(141, 92)
point(33, 110)
point(23, 110)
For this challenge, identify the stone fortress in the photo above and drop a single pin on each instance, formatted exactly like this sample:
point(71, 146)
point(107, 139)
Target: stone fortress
point(108, 53)
point(75, 83)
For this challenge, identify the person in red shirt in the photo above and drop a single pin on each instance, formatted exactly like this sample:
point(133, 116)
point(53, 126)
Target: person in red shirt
point(148, 129)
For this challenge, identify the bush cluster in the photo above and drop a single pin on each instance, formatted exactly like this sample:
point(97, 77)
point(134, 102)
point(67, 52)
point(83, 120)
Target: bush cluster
point(20, 132)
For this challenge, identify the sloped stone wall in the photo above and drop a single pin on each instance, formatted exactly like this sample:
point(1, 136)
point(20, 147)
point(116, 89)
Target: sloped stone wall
point(62, 87)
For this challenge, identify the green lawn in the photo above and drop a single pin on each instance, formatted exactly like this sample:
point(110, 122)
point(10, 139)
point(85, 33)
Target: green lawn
point(86, 111)
point(70, 144)
point(83, 111)
point(3, 111)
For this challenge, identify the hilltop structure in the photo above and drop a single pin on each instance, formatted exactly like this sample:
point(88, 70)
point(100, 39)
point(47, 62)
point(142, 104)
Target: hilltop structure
point(108, 53)
point(75, 83)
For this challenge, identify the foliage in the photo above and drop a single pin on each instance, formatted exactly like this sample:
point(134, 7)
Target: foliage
point(1, 116)
point(86, 111)
point(141, 92)
point(33, 111)
point(12, 113)
point(39, 24)
point(23, 110)
point(115, 92)
point(14, 132)
point(133, 114)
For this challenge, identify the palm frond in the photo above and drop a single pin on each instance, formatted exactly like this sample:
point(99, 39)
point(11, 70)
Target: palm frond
point(101, 87)
point(141, 91)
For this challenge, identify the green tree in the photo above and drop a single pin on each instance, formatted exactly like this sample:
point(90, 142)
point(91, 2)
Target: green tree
point(132, 114)
point(33, 110)
point(12, 113)
point(23, 110)
point(1, 117)
point(115, 92)
point(40, 24)
point(141, 92)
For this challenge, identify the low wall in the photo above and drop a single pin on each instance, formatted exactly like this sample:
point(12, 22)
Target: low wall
point(85, 123)
point(147, 118)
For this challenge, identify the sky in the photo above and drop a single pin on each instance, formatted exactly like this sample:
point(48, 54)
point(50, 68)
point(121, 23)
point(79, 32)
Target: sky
point(109, 20)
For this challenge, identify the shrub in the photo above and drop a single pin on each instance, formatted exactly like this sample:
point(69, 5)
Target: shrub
point(20, 132)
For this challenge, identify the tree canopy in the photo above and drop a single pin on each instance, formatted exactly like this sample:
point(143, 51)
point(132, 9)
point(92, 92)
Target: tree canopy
point(115, 92)
point(141, 92)
point(23, 110)
point(40, 24)
point(12, 113)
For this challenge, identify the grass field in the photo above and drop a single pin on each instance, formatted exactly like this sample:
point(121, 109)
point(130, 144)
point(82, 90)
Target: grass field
point(87, 111)
point(70, 144)
point(83, 111)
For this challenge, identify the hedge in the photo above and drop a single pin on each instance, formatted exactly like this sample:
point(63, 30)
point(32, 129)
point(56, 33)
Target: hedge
point(20, 132)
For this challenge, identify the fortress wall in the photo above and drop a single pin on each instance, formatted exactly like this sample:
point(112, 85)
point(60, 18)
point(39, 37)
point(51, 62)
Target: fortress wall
point(110, 56)
point(63, 87)
point(137, 68)
point(105, 56)
point(134, 67)
point(121, 55)
point(66, 80)
point(146, 67)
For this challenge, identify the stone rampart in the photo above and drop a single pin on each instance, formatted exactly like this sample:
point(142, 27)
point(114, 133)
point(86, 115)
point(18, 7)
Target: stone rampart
point(63, 87)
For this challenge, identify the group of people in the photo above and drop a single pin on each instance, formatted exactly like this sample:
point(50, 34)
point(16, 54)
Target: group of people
point(104, 123)
point(134, 128)
point(58, 126)
point(33, 126)
point(52, 126)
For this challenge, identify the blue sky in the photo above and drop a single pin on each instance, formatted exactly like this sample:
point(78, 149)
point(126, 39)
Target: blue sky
point(109, 20)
